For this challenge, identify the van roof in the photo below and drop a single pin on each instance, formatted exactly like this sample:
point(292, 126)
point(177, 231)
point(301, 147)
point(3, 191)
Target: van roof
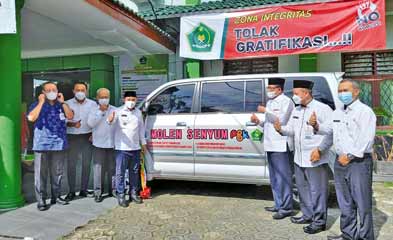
point(331, 77)
point(336, 75)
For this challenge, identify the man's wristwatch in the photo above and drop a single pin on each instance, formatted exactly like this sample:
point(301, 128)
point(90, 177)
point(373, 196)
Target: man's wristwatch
point(350, 156)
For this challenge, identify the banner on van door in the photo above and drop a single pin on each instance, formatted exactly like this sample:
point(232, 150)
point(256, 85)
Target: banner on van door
point(7, 16)
point(283, 30)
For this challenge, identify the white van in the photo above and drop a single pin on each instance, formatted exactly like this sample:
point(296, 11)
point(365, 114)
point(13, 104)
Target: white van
point(200, 129)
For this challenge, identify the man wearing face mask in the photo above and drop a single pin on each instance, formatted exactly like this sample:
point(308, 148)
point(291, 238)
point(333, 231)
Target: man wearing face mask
point(129, 136)
point(352, 130)
point(79, 133)
point(277, 147)
point(49, 114)
point(103, 143)
point(311, 174)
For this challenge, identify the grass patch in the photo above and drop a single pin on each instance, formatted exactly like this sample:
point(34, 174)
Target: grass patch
point(388, 184)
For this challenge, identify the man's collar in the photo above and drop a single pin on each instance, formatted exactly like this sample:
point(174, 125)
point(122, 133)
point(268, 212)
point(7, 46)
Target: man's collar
point(127, 109)
point(276, 97)
point(352, 105)
point(76, 101)
point(305, 106)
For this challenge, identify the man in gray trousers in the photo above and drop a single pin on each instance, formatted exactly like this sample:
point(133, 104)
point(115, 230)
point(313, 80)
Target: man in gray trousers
point(79, 134)
point(49, 114)
point(103, 144)
point(311, 174)
point(277, 147)
point(352, 129)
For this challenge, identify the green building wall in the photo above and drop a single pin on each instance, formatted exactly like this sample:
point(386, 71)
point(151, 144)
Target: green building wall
point(101, 68)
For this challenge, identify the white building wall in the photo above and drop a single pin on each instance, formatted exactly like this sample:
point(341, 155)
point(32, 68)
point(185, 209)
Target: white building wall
point(389, 31)
point(329, 62)
point(288, 64)
point(213, 68)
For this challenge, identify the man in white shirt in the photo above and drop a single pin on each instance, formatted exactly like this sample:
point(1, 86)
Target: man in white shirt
point(311, 174)
point(103, 143)
point(129, 136)
point(278, 107)
point(352, 130)
point(79, 133)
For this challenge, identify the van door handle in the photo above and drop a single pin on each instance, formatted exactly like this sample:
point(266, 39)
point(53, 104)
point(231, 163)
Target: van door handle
point(181, 124)
point(250, 124)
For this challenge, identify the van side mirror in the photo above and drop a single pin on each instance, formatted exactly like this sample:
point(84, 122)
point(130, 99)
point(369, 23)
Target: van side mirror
point(145, 107)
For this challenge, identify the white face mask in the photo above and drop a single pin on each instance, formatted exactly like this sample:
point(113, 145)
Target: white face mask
point(296, 99)
point(271, 94)
point(130, 104)
point(103, 101)
point(80, 95)
point(51, 95)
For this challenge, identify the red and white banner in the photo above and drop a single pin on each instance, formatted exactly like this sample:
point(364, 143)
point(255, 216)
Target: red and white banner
point(282, 30)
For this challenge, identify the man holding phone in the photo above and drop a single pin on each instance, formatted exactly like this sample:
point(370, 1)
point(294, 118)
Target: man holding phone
point(49, 114)
point(79, 134)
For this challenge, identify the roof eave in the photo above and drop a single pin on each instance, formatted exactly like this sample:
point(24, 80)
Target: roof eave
point(134, 21)
point(228, 10)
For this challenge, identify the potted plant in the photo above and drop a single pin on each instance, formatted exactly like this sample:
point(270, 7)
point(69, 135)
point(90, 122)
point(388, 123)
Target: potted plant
point(383, 152)
point(383, 144)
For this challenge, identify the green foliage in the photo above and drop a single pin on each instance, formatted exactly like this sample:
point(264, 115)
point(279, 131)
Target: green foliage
point(381, 112)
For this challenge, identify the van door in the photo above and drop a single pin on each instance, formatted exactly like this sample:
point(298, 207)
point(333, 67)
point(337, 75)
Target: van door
point(169, 116)
point(227, 146)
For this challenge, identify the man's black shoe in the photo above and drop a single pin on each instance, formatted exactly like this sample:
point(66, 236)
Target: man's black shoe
point(70, 196)
point(59, 200)
point(113, 193)
point(271, 209)
point(341, 237)
point(83, 194)
point(135, 198)
point(300, 220)
point(122, 200)
point(41, 205)
point(279, 216)
point(312, 229)
point(98, 198)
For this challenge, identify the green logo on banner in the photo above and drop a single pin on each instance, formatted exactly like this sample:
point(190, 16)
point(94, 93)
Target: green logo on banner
point(201, 38)
point(256, 135)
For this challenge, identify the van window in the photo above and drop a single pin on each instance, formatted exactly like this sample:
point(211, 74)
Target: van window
point(173, 100)
point(321, 90)
point(222, 97)
point(253, 95)
point(231, 97)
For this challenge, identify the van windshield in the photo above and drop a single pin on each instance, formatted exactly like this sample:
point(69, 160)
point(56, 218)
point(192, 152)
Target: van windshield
point(321, 90)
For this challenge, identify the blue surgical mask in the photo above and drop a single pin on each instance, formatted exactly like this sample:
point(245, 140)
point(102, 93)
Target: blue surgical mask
point(345, 97)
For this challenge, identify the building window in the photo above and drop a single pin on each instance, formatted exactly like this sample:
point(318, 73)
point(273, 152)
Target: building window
point(366, 65)
point(251, 66)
